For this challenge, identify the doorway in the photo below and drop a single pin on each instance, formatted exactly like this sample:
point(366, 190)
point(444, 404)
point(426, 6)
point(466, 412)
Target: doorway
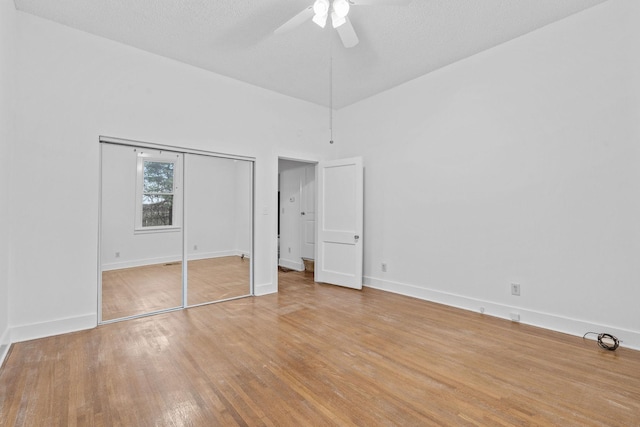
point(176, 229)
point(335, 201)
point(296, 215)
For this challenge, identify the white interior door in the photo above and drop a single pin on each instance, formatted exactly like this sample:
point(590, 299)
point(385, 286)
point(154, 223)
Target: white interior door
point(339, 220)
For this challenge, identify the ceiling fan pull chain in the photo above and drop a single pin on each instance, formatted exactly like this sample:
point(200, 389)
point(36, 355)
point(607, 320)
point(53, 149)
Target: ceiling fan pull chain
point(331, 92)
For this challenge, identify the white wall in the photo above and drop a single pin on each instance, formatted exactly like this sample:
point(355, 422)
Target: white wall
point(7, 137)
point(519, 164)
point(75, 87)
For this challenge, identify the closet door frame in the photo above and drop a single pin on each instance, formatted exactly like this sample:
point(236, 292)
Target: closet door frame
point(183, 214)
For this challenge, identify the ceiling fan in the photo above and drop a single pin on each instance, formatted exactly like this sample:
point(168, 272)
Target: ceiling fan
point(320, 11)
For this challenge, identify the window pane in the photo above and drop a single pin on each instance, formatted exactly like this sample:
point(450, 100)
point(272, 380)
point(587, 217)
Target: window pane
point(158, 177)
point(157, 210)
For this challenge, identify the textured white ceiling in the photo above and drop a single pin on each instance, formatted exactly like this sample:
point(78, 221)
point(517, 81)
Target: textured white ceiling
point(235, 37)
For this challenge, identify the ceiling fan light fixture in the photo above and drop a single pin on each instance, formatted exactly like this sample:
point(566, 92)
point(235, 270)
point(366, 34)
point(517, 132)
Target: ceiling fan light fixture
point(337, 20)
point(321, 10)
point(341, 8)
point(321, 20)
point(321, 7)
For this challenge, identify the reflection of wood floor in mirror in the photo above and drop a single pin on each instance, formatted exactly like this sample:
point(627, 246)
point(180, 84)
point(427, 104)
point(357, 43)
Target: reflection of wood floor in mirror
point(139, 290)
point(215, 279)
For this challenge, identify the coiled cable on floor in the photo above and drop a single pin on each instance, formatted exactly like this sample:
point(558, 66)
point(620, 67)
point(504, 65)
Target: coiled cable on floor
point(605, 341)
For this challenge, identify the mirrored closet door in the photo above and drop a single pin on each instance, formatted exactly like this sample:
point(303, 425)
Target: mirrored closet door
point(176, 230)
point(218, 211)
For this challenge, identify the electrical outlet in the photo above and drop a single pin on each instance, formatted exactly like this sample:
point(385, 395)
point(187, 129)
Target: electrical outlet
point(515, 289)
point(195, 247)
point(117, 254)
point(384, 267)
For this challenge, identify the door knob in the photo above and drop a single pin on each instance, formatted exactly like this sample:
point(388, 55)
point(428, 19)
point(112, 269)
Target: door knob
point(356, 237)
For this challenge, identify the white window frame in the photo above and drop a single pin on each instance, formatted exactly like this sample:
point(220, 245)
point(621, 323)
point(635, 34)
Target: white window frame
point(176, 159)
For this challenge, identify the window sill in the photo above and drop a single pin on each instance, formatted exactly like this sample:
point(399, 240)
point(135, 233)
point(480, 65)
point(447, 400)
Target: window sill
point(153, 230)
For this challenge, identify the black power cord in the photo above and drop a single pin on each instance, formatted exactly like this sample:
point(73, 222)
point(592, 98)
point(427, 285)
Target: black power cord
point(605, 341)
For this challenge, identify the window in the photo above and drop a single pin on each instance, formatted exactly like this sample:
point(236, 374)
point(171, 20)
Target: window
point(157, 194)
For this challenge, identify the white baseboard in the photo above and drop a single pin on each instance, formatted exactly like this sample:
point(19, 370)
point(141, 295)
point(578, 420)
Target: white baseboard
point(265, 289)
point(292, 265)
point(168, 259)
point(246, 254)
point(207, 255)
point(140, 262)
point(5, 344)
point(54, 327)
point(576, 327)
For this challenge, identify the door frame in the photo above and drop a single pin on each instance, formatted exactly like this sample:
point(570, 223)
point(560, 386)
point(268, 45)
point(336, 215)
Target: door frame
point(298, 159)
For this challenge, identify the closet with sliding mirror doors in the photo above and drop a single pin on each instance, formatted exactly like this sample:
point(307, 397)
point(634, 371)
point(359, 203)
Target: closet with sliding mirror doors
point(176, 228)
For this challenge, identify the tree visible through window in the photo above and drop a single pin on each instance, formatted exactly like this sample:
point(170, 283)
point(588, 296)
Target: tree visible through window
point(157, 194)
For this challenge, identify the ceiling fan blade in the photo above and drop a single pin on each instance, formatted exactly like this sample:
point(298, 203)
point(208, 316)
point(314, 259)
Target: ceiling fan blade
point(297, 20)
point(347, 34)
point(379, 2)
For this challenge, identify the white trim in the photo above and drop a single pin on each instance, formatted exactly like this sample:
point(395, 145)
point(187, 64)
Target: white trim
point(293, 265)
point(185, 233)
point(55, 327)
point(294, 157)
point(265, 289)
point(141, 262)
point(220, 300)
point(205, 255)
point(99, 240)
point(163, 147)
point(252, 250)
point(5, 345)
point(157, 229)
point(171, 258)
point(141, 315)
point(247, 254)
point(576, 327)
point(4, 350)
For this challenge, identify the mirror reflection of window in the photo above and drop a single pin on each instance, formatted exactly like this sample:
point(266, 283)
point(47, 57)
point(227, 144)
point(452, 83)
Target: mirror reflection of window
point(158, 191)
point(157, 194)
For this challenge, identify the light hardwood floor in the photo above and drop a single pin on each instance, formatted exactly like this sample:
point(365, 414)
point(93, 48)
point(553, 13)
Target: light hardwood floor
point(138, 290)
point(316, 355)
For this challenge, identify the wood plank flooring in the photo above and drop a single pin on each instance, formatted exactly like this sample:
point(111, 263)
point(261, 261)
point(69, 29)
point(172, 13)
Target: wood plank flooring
point(138, 290)
point(319, 355)
point(216, 279)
